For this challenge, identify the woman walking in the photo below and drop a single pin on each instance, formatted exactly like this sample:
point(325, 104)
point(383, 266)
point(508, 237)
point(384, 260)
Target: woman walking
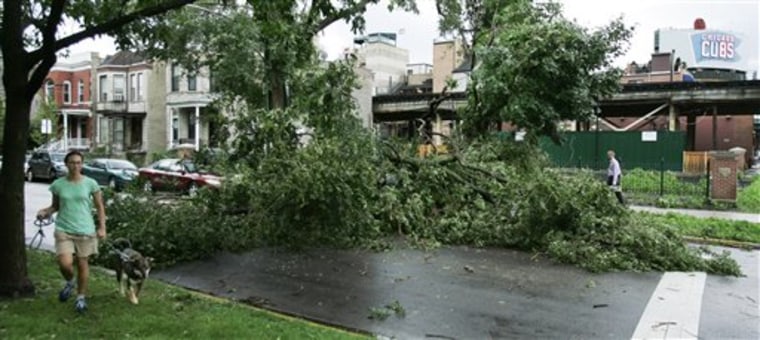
point(75, 232)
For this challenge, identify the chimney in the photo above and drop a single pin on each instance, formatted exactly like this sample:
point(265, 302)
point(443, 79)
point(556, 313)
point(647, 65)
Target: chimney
point(661, 62)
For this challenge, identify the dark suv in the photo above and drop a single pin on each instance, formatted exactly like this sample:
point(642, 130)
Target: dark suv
point(47, 165)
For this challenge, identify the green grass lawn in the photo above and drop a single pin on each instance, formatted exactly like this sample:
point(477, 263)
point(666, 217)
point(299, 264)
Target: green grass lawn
point(713, 228)
point(164, 312)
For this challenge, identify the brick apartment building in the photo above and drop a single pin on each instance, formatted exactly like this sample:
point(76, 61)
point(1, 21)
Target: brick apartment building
point(69, 87)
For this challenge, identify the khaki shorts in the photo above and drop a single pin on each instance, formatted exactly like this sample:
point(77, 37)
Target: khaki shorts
point(81, 245)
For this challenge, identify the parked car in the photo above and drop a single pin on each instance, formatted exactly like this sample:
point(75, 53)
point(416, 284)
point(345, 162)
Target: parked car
point(26, 162)
point(114, 173)
point(179, 175)
point(47, 165)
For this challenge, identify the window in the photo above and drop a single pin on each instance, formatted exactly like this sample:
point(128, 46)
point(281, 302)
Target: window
point(191, 83)
point(211, 82)
point(163, 164)
point(139, 87)
point(118, 134)
point(176, 167)
point(67, 92)
point(132, 84)
point(80, 91)
point(102, 88)
point(119, 164)
point(188, 166)
point(118, 88)
point(175, 78)
point(175, 127)
point(103, 129)
point(50, 91)
point(166, 165)
point(97, 164)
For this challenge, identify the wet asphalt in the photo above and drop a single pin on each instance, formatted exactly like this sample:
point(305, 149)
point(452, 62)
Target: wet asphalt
point(450, 293)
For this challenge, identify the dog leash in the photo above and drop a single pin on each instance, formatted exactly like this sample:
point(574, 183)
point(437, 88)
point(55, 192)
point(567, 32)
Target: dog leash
point(40, 223)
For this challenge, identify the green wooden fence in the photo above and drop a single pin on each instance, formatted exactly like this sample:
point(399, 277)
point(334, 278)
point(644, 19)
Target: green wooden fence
point(588, 149)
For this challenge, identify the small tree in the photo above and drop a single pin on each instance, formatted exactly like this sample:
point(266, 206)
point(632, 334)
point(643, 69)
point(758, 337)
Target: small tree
point(45, 111)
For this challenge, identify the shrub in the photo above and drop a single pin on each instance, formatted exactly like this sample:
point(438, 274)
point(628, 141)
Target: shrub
point(749, 198)
point(175, 231)
point(647, 181)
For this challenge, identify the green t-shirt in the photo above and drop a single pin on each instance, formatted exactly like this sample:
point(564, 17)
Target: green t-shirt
point(75, 205)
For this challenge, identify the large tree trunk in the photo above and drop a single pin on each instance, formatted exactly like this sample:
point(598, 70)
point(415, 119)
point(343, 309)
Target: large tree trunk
point(14, 280)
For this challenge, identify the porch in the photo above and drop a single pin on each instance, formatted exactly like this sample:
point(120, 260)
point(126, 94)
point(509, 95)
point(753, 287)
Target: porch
point(75, 130)
point(191, 125)
point(122, 132)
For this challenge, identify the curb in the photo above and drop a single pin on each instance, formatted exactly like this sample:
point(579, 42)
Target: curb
point(315, 322)
point(722, 242)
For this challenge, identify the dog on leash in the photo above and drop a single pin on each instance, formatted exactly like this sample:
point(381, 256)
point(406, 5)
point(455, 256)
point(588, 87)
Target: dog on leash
point(132, 268)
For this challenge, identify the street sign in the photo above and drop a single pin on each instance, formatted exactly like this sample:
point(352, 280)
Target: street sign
point(46, 126)
point(648, 136)
point(520, 136)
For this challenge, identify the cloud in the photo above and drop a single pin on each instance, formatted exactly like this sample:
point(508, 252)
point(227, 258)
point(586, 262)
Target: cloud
point(417, 32)
point(645, 15)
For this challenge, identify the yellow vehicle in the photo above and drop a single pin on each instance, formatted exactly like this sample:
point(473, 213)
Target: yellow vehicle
point(425, 150)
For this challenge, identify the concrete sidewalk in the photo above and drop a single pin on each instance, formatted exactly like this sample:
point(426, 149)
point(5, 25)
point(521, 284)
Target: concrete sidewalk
point(727, 215)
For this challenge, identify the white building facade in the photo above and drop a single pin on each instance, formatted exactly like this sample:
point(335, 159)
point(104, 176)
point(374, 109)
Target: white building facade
point(387, 61)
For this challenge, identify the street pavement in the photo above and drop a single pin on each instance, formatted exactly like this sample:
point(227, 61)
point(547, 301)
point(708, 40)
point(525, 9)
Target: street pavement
point(465, 293)
point(468, 293)
point(37, 196)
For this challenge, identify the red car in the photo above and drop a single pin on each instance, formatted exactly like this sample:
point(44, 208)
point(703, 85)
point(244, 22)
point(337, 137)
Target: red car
point(179, 175)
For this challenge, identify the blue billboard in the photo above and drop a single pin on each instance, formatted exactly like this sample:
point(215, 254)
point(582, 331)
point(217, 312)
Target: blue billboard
point(715, 46)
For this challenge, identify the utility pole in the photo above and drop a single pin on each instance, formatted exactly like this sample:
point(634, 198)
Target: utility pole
point(672, 53)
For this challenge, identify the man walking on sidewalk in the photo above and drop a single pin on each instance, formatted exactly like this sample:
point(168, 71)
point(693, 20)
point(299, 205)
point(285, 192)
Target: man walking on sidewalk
point(614, 175)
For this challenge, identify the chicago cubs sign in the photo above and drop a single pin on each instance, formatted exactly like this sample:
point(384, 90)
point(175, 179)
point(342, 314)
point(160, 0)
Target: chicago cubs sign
point(715, 45)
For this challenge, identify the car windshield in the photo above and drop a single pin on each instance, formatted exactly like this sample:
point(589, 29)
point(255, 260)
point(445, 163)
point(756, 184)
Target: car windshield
point(57, 157)
point(121, 165)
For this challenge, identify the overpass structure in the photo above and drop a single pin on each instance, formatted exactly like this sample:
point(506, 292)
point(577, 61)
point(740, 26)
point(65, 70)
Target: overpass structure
point(731, 97)
point(642, 101)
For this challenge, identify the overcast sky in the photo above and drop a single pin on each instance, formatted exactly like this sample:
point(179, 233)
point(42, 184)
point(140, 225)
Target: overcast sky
point(417, 32)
